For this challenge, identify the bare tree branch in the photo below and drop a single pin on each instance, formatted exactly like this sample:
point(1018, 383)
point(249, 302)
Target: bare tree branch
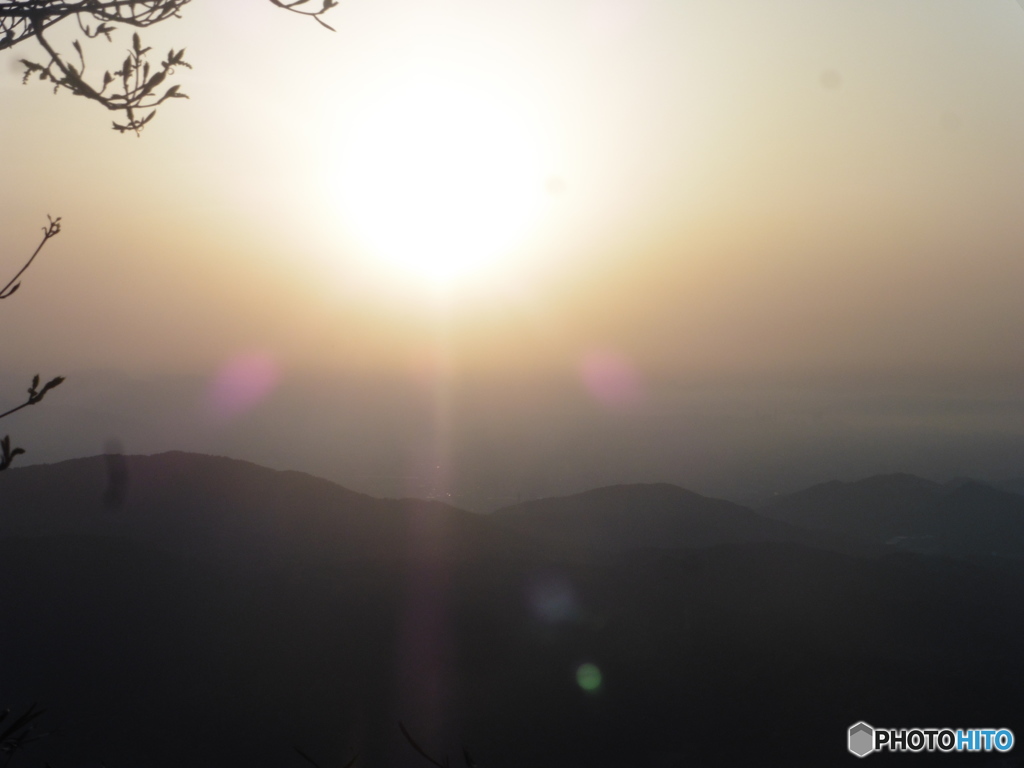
point(137, 82)
point(19, 19)
point(314, 763)
point(35, 394)
point(470, 762)
point(19, 731)
point(325, 6)
point(138, 79)
point(51, 230)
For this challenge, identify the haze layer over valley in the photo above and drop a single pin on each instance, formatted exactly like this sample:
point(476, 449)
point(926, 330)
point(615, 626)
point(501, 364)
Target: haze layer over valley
point(515, 437)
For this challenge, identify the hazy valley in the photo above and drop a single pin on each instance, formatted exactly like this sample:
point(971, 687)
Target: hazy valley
point(187, 609)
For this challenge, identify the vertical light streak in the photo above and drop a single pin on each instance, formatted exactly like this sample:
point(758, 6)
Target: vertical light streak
point(424, 643)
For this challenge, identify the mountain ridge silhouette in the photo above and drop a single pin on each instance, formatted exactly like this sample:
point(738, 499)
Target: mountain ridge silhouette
point(222, 612)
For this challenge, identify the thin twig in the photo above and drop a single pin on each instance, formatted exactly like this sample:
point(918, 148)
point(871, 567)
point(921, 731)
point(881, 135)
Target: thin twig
point(35, 394)
point(417, 747)
point(139, 78)
point(314, 763)
point(51, 230)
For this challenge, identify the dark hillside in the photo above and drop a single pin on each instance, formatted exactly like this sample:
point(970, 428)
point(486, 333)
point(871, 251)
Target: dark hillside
point(658, 515)
point(237, 513)
point(340, 615)
point(965, 519)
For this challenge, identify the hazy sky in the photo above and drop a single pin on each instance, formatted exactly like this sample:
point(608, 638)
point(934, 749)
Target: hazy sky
point(631, 196)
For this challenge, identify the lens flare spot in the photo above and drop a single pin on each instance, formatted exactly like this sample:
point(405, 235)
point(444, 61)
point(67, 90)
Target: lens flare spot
point(242, 383)
point(611, 379)
point(588, 677)
point(553, 600)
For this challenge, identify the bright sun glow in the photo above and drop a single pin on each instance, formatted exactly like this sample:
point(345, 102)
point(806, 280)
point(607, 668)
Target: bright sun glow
point(440, 178)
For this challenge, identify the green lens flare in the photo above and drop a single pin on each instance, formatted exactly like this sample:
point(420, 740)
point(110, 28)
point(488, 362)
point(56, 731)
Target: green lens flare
point(588, 677)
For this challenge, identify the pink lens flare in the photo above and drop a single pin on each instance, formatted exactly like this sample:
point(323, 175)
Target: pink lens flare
point(611, 379)
point(242, 383)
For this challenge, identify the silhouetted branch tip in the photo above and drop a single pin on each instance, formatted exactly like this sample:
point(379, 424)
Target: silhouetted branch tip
point(6, 454)
point(314, 763)
point(133, 88)
point(52, 229)
point(325, 6)
point(35, 395)
point(423, 753)
point(20, 731)
point(307, 758)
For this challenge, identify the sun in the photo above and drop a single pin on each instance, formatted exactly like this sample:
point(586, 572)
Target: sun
point(440, 177)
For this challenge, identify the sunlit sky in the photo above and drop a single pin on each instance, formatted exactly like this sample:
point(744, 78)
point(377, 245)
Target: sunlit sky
point(622, 192)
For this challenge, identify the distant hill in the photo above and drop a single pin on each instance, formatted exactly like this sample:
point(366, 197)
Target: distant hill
point(191, 610)
point(886, 505)
point(1013, 485)
point(965, 518)
point(659, 515)
point(240, 514)
point(977, 519)
point(237, 513)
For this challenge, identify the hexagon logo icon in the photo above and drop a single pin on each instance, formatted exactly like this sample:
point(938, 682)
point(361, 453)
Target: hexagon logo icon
point(861, 739)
